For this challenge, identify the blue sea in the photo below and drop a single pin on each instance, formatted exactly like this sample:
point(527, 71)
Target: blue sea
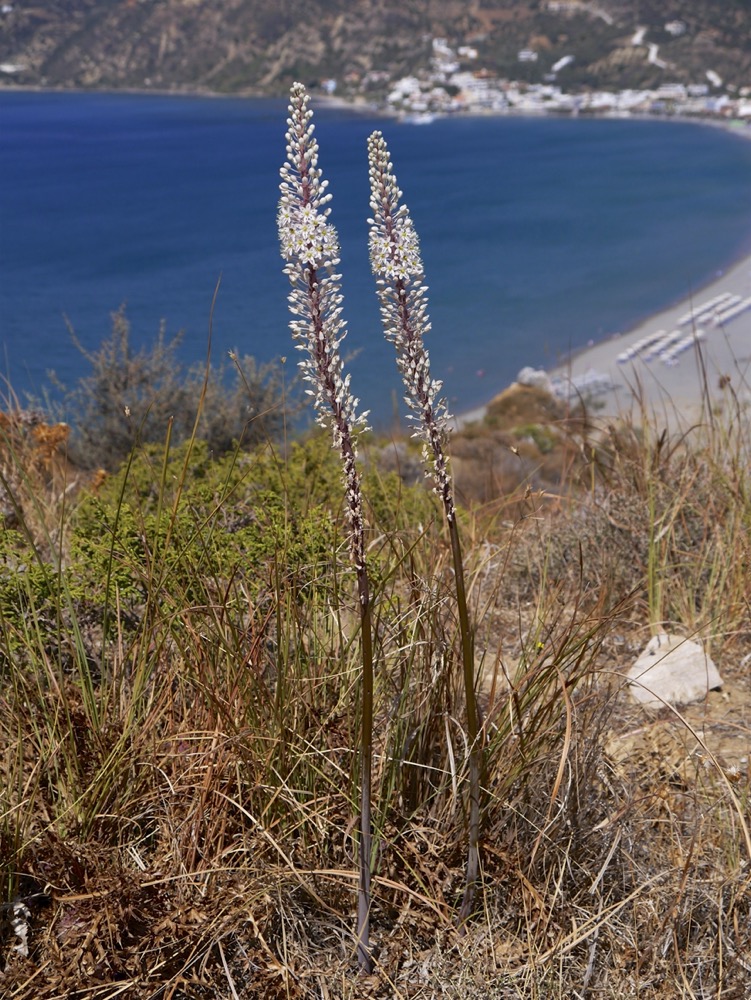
point(538, 234)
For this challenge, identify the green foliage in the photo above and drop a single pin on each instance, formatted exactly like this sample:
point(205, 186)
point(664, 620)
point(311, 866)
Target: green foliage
point(543, 437)
point(195, 519)
point(181, 522)
point(27, 588)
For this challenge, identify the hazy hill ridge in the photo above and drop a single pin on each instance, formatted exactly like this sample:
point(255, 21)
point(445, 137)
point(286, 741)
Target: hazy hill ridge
point(260, 46)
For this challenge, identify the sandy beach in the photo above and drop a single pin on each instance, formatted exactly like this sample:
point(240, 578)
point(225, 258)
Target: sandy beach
point(666, 361)
point(658, 362)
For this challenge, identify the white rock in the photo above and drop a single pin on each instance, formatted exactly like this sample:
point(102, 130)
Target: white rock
point(536, 377)
point(674, 670)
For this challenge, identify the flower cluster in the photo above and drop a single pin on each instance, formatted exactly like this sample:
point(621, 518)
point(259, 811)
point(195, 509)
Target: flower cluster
point(397, 265)
point(310, 247)
point(306, 235)
point(396, 254)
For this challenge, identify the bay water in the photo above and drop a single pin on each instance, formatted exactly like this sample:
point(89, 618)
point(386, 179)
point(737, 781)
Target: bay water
point(539, 235)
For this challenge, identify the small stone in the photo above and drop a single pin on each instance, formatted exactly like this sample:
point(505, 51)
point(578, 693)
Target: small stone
point(538, 378)
point(672, 670)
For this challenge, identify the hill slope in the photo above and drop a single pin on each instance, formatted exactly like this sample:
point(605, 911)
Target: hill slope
point(261, 45)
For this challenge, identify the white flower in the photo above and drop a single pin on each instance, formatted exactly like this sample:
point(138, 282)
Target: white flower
point(396, 255)
point(307, 236)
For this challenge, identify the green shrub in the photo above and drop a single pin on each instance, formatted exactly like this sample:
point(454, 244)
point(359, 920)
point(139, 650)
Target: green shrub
point(544, 438)
point(180, 523)
point(27, 589)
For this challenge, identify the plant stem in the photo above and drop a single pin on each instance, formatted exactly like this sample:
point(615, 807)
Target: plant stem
point(397, 264)
point(366, 768)
point(310, 247)
point(473, 726)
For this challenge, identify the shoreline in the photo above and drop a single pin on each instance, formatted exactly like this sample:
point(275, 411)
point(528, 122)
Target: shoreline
point(360, 105)
point(647, 370)
point(737, 127)
point(630, 371)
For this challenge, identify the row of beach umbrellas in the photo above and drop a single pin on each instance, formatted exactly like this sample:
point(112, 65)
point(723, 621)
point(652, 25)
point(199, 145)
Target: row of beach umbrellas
point(668, 346)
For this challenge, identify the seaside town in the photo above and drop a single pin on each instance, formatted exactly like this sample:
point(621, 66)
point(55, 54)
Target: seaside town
point(559, 57)
point(456, 84)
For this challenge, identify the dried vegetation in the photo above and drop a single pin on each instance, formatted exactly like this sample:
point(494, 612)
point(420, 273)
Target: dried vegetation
point(178, 659)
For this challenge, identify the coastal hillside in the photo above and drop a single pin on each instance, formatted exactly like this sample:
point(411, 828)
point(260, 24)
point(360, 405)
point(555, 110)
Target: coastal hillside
point(260, 46)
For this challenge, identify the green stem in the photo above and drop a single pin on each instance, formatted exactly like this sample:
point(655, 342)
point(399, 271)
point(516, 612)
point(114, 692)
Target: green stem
point(366, 766)
point(473, 725)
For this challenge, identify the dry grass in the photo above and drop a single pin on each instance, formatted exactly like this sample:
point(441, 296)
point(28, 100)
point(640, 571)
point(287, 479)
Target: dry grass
point(178, 800)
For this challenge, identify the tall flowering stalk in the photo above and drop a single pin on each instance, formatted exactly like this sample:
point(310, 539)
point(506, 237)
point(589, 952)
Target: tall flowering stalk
point(310, 247)
point(398, 268)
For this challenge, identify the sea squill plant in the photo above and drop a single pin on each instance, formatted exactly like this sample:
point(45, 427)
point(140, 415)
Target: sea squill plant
point(397, 265)
point(310, 247)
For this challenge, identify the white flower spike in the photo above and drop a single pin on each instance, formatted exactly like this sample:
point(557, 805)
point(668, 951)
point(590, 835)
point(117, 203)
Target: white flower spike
point(397, 265)
point(310, 246)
